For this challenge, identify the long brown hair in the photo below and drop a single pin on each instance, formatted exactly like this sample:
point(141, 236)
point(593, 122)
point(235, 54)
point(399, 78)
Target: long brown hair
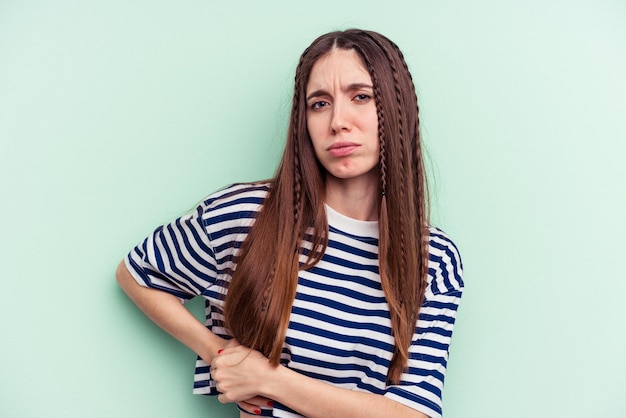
point(261, 293)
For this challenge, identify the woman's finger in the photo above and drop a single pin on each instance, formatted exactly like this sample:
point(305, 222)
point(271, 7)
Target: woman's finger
point(249, 408)
point(260, 401)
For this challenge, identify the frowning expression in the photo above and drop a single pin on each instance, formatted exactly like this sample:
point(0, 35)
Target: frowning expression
point(341, 116)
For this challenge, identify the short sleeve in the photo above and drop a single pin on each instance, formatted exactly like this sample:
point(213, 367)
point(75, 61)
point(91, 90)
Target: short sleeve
point(176, 258)
point(422, 385)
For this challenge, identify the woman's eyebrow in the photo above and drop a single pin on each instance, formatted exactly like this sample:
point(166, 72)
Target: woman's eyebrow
point(317, 93)
point(358, 86)
point(349, 87)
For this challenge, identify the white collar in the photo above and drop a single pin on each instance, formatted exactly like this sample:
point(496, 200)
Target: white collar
point(351, 225)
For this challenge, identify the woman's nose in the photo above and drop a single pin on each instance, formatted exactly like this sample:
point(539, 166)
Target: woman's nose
point(340, 120)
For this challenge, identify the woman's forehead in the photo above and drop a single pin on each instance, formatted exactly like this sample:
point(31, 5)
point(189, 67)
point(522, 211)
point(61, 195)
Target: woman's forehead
point(338, 66)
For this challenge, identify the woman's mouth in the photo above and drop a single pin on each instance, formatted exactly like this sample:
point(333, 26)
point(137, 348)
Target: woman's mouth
point(341, 149)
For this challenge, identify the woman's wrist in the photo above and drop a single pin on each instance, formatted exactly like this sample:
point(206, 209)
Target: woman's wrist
point(277, 380)
point(207, 345)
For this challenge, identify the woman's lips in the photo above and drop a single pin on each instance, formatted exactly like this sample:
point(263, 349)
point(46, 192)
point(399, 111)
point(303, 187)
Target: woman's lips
point(341, 149)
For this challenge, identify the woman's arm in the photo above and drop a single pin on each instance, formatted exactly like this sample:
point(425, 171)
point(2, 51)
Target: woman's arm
point(171, 315)
point(242, 373)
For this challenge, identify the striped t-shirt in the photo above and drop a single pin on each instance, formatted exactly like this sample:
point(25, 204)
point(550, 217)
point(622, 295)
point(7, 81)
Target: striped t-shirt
point(339, 331)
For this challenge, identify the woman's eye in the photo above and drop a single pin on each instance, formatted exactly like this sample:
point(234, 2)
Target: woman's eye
point(362, 97)
point(319, 105)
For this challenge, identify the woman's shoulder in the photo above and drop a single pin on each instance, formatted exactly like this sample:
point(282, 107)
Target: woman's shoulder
point(439, 238)
point(444, 263)
point(236, 202)
point(236, 195)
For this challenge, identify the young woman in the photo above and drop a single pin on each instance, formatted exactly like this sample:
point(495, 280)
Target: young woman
point(327, 293)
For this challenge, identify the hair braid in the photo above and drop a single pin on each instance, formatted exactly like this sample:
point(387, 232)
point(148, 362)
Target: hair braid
point(380, 113)
point(415, 145)
point(297, 195)
point(418, 161)
point(298, 200)
point(402, 141)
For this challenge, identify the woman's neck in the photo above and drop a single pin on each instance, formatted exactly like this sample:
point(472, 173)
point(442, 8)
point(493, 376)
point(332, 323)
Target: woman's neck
point(354, 198)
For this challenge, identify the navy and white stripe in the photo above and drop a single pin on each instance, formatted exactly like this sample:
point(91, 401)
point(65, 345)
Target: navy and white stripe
point(340, 330)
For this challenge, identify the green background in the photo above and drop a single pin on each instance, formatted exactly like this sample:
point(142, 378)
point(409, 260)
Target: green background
point(117, 116)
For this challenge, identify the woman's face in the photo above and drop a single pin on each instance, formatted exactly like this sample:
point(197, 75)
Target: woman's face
point(341, 116)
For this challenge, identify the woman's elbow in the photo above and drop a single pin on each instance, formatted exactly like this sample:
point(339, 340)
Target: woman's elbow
point(122, 275)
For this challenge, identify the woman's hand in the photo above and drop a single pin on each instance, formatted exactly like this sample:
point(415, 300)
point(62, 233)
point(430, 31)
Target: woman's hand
point(240, 374)
point(245, 376)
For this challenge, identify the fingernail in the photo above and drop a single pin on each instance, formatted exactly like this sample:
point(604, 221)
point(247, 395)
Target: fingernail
point(257, 411)
point(220, 351)
point(270, 403)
